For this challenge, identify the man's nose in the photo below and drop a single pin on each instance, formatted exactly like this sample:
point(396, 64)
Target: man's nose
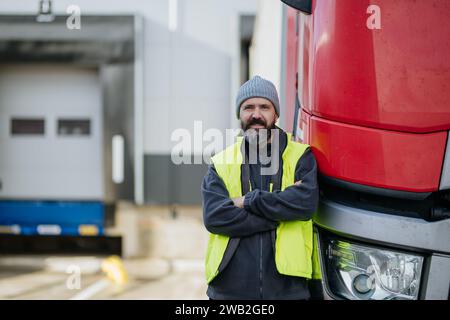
point(256, 113)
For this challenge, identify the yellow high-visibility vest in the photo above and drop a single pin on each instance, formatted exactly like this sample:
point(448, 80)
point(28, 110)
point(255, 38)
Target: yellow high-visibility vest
point(295, 248)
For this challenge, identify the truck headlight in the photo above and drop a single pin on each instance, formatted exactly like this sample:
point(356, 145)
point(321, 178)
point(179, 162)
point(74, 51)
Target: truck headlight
point(357, 271)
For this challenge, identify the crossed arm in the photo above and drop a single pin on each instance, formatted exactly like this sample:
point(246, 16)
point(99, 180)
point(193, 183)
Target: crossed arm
point(259, 210)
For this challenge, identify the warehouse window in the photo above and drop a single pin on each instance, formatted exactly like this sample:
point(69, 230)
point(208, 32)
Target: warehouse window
point(74, 127)
point(27, 126)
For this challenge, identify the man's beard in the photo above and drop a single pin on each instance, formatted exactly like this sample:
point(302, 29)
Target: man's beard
point(258, 137)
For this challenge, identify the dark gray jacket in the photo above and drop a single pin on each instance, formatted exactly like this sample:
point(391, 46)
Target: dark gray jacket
point(250, 272)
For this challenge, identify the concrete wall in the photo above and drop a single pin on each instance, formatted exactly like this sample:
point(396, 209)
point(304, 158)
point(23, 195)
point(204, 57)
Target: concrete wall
point(265, 50)
point(190, 74)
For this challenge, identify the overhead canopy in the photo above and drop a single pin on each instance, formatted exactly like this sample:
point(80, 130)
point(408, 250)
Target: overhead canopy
point(24, 39)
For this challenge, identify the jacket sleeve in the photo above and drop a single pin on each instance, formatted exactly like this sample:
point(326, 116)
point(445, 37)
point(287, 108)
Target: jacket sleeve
point(221, 216)
point(297, 202)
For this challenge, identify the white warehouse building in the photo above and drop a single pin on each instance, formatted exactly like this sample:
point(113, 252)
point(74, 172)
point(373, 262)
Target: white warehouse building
point(87, 114)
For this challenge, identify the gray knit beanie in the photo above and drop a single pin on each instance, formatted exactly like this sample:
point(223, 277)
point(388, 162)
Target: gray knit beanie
point(257, 87)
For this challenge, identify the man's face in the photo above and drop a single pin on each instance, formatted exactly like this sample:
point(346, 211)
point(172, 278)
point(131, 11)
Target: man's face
point(257, 113)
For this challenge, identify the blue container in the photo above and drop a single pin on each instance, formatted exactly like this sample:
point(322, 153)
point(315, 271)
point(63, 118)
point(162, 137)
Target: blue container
point(65, 216)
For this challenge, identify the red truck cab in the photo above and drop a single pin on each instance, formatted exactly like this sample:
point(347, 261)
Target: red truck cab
point(367, 85)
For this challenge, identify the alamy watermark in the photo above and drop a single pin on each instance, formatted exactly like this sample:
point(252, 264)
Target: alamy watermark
point(263, 146)
point(374, 20)
point(73, 21)
point(73, 281)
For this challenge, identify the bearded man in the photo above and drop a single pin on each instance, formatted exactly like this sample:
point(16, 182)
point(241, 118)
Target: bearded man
point(259, 195)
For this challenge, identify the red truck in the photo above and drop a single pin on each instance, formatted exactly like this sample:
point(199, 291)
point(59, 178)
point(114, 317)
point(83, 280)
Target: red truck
point(367, 85)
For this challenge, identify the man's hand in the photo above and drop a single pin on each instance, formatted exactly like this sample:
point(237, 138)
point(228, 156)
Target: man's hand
point(239, 202)
point(299, 182)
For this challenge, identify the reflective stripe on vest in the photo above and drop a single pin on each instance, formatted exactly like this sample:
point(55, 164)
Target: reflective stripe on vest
point(294, 239)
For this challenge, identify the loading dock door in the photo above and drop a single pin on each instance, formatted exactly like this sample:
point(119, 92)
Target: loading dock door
point(50, 132)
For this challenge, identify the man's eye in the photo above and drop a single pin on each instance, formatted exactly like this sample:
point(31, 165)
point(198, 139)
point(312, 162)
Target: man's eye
point(265, 107)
